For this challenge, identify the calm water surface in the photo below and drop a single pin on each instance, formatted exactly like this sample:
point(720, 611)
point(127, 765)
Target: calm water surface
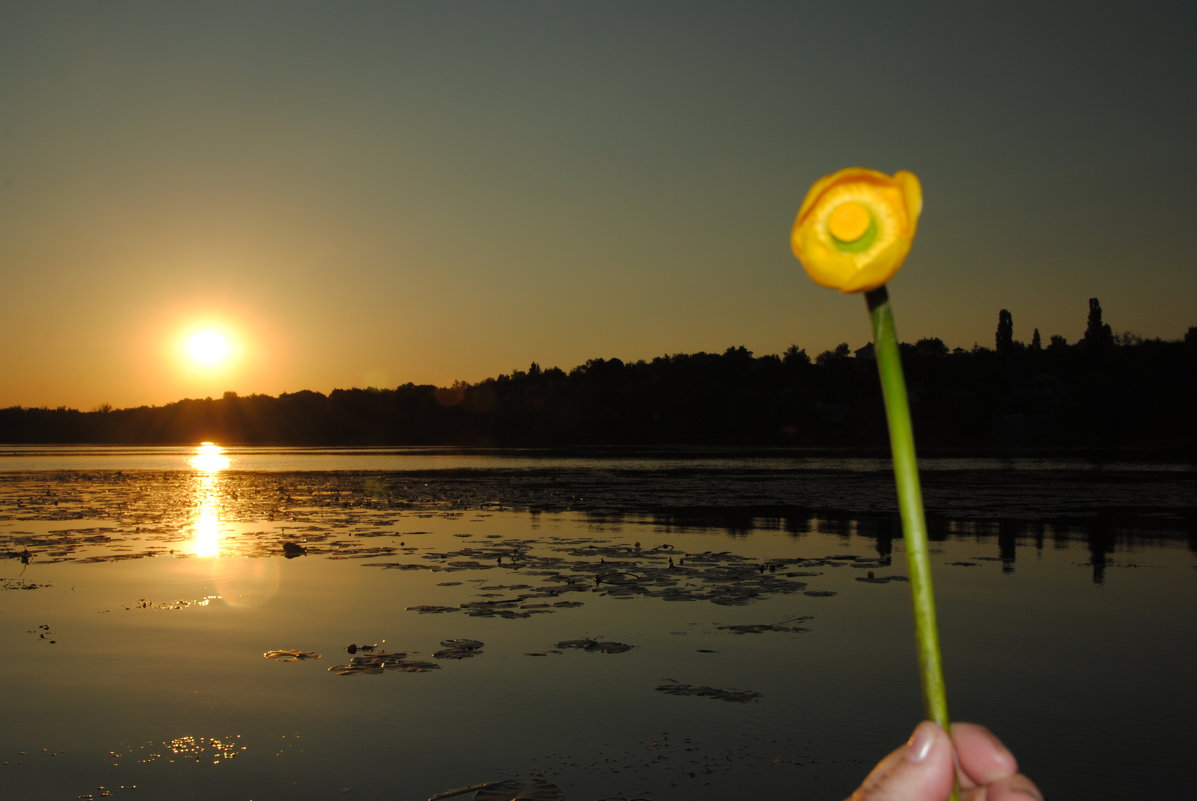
point(156, 579)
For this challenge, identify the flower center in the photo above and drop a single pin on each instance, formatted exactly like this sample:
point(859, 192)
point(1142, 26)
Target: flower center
point(849, 221)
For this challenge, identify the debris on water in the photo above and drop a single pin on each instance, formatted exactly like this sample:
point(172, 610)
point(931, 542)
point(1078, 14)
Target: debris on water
point(293, 549)
point(429, 609)
point(735, 696)
point(291, 655)
point(820, 593)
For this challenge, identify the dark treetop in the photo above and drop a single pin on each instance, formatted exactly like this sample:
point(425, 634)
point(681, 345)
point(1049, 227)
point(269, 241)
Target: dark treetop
point(1104, 391)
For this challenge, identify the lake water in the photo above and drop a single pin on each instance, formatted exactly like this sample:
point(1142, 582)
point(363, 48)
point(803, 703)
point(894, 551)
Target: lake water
point(145, 585)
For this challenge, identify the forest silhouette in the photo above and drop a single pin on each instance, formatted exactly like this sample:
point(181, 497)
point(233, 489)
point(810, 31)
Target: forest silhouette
point(1104, 391)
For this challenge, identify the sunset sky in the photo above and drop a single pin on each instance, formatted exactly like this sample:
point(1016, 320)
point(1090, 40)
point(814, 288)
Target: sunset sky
point(371, 193)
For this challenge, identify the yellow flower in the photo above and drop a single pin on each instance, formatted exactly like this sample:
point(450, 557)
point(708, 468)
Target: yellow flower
point(855, 227)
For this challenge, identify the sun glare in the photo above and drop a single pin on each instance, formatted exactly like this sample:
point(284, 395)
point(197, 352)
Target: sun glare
point(208, 347)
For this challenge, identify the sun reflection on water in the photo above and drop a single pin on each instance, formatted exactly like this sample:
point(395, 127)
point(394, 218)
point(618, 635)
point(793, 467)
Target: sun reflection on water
point(209, 460)
point(187, 748)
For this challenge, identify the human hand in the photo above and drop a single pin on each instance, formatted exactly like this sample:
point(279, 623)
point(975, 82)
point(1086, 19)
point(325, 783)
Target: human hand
point(923, 768)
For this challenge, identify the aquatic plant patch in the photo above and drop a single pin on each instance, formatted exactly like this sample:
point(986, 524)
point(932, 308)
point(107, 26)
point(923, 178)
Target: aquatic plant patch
point(717, 693)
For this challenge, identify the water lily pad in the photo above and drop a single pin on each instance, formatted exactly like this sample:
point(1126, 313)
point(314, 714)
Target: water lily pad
point(584, 644)
point(757, 628)
point(596, 646)
point(879, 579)
point(459, 649)
point(456, 653)
point(291, 655)
point(462, 643)
point(735, 696)
point(19, 584)
point(380, 662)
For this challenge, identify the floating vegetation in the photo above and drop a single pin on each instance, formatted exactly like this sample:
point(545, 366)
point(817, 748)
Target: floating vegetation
point(459, 649)
point(19, 584)
point(402, 566)
point(428, 609)
point(736, 696)
point(503, 608)
point(24, 555)
point(613, 570)
point(757, 628)
point(381, 661)
point(44, 634)
point(511, 790)
point(596, 646)
point(291, 655)
point(584, 644)
point(462, 643)
point(820, 593)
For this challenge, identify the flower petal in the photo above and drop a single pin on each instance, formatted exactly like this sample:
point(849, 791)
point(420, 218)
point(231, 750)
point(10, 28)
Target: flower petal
point(896, 201)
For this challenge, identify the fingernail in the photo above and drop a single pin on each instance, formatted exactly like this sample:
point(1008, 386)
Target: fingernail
point(920, 742)
point(1028, 789)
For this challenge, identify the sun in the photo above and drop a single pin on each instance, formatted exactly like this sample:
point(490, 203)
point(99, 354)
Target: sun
point(209, 347)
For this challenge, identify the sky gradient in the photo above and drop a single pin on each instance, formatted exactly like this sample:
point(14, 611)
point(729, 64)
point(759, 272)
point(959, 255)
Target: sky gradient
point(373, 193)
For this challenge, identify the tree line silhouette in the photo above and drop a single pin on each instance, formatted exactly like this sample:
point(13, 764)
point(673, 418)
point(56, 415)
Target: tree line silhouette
point(1105, 390)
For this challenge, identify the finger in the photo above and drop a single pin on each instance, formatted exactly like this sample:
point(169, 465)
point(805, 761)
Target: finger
point(982, 757)
point(921, 770)
point(1013, 788)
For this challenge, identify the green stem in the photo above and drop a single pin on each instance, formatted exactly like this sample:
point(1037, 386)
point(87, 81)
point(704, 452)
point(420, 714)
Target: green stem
point(910, 504)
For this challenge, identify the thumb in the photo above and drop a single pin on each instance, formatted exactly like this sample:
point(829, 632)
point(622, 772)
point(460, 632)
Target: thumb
point(921, 770)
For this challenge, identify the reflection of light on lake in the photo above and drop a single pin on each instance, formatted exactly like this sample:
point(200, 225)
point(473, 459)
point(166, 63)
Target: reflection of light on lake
point(189, 748)
point(205, 531)
point(209, 460)
point(239, 581)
